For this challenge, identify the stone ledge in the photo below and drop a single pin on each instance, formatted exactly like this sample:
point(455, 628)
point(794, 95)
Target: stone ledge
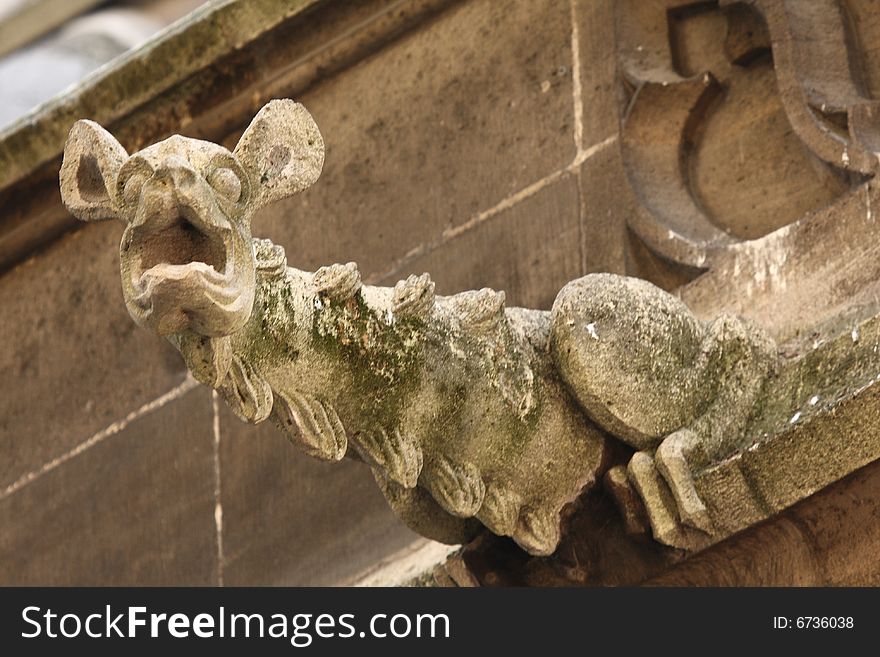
point(196, 83)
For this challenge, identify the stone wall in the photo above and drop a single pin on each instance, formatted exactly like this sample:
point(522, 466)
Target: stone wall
point(475, 140)
point(480, 141)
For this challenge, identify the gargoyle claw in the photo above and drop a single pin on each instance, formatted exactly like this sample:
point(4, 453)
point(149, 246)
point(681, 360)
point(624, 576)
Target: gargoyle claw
point(661, 507)
point(338, 282)
point(671, 462)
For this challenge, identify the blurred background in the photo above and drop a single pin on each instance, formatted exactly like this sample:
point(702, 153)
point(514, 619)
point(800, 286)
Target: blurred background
point(47, 45)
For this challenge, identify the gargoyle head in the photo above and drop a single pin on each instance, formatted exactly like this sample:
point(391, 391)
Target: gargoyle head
point(186, 257)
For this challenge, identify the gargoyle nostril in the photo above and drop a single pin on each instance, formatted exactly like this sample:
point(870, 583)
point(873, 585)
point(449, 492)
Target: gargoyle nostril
point(176, 176)
point(177, 171)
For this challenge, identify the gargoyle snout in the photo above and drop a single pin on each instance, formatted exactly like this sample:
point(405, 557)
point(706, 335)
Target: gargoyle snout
point(175, 171)
point(186, 257)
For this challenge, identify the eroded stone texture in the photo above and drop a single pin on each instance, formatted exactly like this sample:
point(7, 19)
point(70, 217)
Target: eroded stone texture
point(271, 491)
point(467, 411)
point(748, 150)
point(136, 509)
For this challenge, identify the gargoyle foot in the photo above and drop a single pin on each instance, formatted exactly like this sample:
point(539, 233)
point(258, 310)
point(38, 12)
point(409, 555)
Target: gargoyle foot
point(671, 460)
point(660, 504)
point(629, 504)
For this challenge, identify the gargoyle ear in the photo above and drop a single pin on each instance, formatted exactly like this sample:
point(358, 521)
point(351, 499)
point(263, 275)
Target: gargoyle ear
point(282, 150)
point(92, 158)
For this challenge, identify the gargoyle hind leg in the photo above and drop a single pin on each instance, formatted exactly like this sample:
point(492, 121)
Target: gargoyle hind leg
point(679, 390)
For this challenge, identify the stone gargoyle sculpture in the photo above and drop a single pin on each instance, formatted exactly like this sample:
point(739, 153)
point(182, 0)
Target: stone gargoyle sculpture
point(467, 411)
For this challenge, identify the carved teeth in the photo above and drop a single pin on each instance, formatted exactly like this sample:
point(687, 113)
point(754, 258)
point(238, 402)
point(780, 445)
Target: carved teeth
point(538, 532)
point(458, 488)
point(338, 282)
point(500, 510)
point(479, 309)
point(399, 457)
point(321, 433)
point(414, 296)
point(247, 393)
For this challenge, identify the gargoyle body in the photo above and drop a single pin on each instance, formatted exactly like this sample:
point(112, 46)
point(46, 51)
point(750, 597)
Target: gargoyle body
point(467, 411)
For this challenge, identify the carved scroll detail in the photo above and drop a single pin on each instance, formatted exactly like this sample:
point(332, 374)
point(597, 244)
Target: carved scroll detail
point(457, 487)
point(394, 454)
point(685, 150)
point(321, 433)
point(414, 296)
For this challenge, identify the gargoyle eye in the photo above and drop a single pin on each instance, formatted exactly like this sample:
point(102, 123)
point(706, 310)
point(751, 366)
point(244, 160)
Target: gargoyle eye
point(132, 190)
point(226, 182)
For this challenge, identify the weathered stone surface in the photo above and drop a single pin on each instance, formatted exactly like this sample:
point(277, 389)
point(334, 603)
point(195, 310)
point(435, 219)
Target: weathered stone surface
point(600, 85)
point(135, 509)
point(604, 215)
point(530, 250)
point(778, 555)
point(640, 377)
point(464, 409)
point(72, 363)
point(428, 390)
point(842, 526)
point(803, 278)
point(436, 128)
point(607, 242)
point(724, 141)
point(291, 520)
point(827, 540)
point(705, 130)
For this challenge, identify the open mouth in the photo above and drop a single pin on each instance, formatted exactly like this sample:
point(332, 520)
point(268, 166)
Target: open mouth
point(180, 246)
point(180, 273)
point(182, 243)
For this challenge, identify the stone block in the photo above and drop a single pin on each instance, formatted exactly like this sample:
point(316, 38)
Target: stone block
point(72, 360)
point(430, 131)
point(529, 250)
point(135, 509)
point(291, 520)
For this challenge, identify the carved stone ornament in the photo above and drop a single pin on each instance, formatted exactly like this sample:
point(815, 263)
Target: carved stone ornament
point(742, 116)
point(467, 411)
